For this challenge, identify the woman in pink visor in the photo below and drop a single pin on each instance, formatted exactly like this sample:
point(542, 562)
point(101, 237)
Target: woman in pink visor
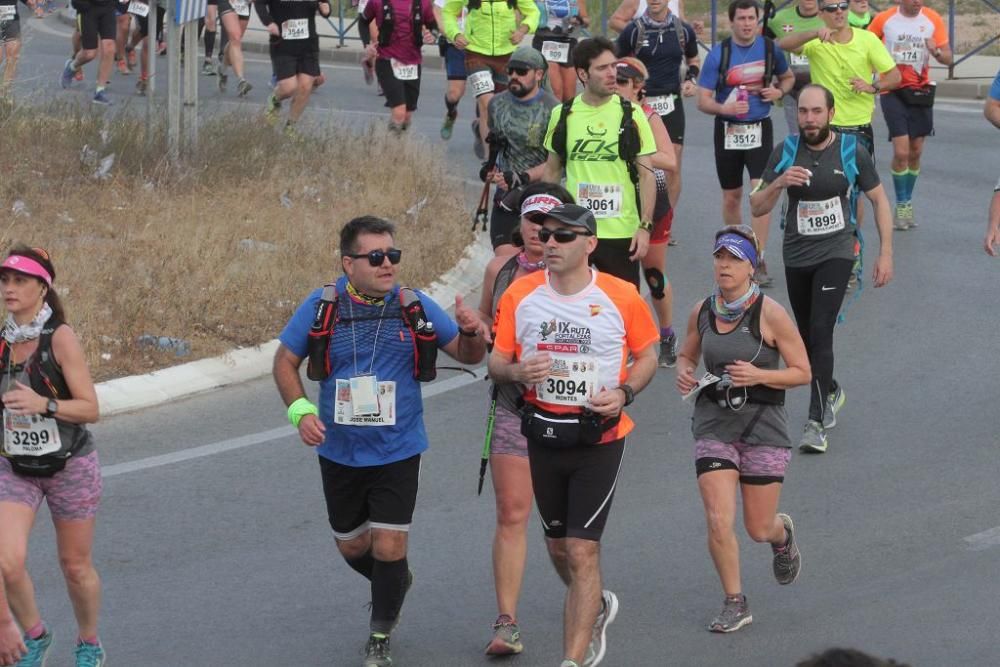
point(47, 396)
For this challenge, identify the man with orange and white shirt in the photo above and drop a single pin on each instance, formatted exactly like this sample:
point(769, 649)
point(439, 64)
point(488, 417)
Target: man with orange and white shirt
point(566, 334)
point(912, 34)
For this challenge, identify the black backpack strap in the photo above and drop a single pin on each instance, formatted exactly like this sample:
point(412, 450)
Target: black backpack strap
point(320, 334)
point(755, 311)
point(388, 23)
point(628, 149)
point(418, 24)
point(724, 57)
point(768, 61)
point(704, 324)
point(560, 131)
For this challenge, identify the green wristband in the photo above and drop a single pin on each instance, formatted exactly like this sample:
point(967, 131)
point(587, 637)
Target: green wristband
point(299, 408)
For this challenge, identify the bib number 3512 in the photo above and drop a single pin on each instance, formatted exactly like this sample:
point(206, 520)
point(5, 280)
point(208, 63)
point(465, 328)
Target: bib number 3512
point(743, 137)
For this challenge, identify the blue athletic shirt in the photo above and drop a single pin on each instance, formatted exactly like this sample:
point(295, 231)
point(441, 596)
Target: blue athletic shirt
point(361, 446)
point(746, 67)
point(995, 88)
point(660, 53)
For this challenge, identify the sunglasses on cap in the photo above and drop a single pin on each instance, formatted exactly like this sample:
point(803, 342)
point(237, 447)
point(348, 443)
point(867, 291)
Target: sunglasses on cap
point(561, 235)
point(842, 6)
point(519, 71)
point(377, 257)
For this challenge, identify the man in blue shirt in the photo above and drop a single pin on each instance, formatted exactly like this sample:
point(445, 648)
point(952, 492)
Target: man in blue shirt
point(741, 103)
point(368, 427)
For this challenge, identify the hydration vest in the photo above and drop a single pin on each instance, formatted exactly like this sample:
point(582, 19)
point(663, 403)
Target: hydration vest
point(726, 56)
point(389, 24)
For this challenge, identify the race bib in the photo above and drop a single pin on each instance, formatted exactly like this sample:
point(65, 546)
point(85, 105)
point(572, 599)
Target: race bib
point(404, 72)
point(295, 29)
point(798, 60)
point(8, 12)
point(571, 381)
point(30, 435)
point(663, 105)
point(604, 201)
point(481, 82)
point(908, 53)
point(344, 411)
point(138, 8)
point(820, 217)
point(743, 137)
point(555, 52)
point(241, 7)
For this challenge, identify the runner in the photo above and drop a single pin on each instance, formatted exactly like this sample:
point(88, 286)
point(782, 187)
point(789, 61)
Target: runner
point(123, 24)
point(561, 23)
point(294, 46)
point(142, 11)
point(488, 38)
point(740, 426)
point(11, 644)
point(211, 22)
point(654, 38)
point(565, 334)
point(454, 66)
point(368, 427)
point(798, 17)
point(912, 34)
point(736, 87)
point(632, 76)
point(629, 10)
point(821, 179)
point(859, 16)
point(48, 454)
point(235, 17)
point(95, 19)
point(991, 109)
point(508, 454)
point(397, 55)
point(10, 43)
point(605, 145)
point(517, 120)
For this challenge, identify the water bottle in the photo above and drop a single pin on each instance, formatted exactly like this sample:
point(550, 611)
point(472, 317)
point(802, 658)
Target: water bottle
point(742, 95)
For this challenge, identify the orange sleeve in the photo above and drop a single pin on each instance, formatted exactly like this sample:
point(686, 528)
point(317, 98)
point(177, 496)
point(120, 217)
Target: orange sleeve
point(641, 331)
point(877, 25)
point(940, 31)
point(504, 328)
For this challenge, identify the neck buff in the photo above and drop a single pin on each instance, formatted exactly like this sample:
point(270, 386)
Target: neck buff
point(653, 23)
point(19, 333)
point(522, 261)
point(731, 311)
point(364, 298)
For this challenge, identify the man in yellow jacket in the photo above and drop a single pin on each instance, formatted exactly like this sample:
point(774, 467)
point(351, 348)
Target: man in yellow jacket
point(492, 31)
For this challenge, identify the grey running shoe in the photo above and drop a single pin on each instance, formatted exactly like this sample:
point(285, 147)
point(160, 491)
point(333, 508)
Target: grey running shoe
point(208, 69)
point(223, 79)
point(668, 351)
point(900, 219)
point(910, 220)
point(598, 643)
point(243, 87)
point(734, 615)
point(813, 438)
point(506, 637)
point(377, 651)
point(140, 86)
point(66, 78)
point(761, 275)
point(787, 559)
point(834, 402)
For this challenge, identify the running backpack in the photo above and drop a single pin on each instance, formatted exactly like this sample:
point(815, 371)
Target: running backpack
point(726, 56)
point(475, 5)
point(629, 141)
point(640, 34)
point(389, 23)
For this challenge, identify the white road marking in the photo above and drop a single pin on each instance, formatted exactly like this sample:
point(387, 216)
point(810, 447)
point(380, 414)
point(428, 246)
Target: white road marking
point(441, 387)
point(984, 540)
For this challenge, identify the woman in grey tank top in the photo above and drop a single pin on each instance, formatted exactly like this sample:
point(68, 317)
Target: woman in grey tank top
point(739, 424)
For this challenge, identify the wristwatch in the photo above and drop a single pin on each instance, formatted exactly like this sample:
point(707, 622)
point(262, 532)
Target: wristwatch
point(936, 52)
point(629, 393)
point(646, 225)
point(469, 334)
point(51, 408)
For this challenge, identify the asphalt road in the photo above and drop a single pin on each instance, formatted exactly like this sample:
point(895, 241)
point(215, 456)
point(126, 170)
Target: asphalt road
point(215, 550)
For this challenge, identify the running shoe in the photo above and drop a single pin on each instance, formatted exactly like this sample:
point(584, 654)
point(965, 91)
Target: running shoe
point(813, 438)
point(123, 67)
point(37, 650)
point(89, 655)
point(68, 73)
point(140, 86)
point(910, 221)
point(734, 615)
point(506, 637)
point(377, 651)
point(668, 351)
point(598, 643)
point(447, 126)
point(787, 559)
point(569, 663)
point(368, 69)
point(834, 402)
point(900, 222)
point(130, 57)
point(672, 242)
point(478, 147)
point(273, 109)
point(220, 69)
point(208, 69)
point(101, 97)
point(761, 275)
point(243, 88)
point(274, 81)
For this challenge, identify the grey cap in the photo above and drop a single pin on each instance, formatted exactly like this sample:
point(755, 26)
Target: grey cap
point(574, 214)
point(529, 57)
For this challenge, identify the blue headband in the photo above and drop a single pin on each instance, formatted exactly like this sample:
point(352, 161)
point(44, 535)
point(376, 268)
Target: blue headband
point(738, 245)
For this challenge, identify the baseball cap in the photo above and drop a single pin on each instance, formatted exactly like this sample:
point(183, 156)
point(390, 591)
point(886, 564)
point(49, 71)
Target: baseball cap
point(526, 56)
point(576, 215)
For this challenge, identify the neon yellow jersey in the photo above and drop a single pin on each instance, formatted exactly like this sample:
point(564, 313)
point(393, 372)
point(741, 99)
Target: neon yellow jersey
point(833, 65)
point(596, 177)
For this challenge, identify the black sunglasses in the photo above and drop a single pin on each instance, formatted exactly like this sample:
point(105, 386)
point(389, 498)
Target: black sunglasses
point(519, 71)
point(561, 235)
point(377, 257)
point(842, 6)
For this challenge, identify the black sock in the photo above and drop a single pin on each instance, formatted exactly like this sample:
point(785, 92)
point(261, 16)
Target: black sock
point(209, 44)
point(363, 565)
point(389, 584)
point(451, 106)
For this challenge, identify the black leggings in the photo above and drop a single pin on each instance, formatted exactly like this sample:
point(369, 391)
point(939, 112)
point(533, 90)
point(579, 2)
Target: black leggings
point(816, 294)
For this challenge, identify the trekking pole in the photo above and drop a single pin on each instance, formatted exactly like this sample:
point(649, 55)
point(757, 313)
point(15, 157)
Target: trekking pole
point(488, 440)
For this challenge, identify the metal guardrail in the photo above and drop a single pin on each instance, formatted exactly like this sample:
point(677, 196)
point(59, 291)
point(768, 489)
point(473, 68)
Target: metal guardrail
point(951, 35)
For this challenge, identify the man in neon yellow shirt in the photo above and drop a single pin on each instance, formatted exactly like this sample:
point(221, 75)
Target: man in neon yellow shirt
point(596, 174)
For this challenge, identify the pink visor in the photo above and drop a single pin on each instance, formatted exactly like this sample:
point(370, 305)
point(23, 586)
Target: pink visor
point(27, 266)
point(535, 206)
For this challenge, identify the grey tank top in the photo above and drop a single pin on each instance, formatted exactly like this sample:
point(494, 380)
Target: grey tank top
point(754, 423)
point(509, 396)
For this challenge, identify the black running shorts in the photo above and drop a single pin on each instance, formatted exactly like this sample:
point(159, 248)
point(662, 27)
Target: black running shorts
point(904, 120)
point(397, 93)
point(371, 497)
point(675, 122)
point(729, 165)
point(574, 487)
point(95, 21)
point(289, 61)
point(612, 256)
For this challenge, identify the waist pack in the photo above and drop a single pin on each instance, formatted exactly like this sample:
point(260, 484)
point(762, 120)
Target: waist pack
point(918, 97)
point(557, 430)
point(38, 466)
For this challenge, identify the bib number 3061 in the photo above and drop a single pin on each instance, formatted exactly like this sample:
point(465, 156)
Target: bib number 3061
point(604, 201)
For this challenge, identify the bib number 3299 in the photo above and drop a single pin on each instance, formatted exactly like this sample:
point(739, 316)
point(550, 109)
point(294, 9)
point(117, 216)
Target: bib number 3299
point(30, 435)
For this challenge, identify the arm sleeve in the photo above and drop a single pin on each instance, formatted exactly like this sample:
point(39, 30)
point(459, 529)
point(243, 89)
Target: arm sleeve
point(445, 327)
point(878, 55)
point(295, 335)
point(529, 14)
point(867, 174)
point(710, 70)
point(690, 42)
point(449, 16)
point(263, 11)
point(504, 338)
point(647, 142)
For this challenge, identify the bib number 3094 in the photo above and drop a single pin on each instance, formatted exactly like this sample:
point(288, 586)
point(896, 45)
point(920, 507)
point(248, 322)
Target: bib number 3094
point(571, 381)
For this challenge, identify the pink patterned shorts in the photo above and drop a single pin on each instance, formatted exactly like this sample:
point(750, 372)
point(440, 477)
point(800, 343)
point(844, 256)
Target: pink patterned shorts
point(73, 493)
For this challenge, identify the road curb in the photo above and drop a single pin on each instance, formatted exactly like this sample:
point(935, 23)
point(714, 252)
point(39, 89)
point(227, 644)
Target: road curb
point(240, 365)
